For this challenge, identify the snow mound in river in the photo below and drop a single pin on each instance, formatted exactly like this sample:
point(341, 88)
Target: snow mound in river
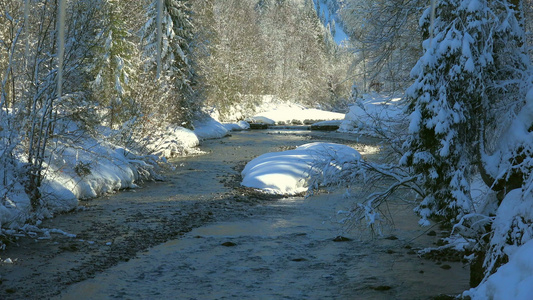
point(289, 172)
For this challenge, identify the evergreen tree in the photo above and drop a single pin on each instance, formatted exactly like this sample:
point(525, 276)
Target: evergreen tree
point(177, 70)
point(466, 76)
point(442, 100)
point(113, 65)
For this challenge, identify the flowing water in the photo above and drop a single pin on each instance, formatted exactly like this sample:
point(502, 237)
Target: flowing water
point(278, 248)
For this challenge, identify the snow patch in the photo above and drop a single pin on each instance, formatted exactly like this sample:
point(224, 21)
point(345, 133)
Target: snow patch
point(289, 172)
point(374, 113)
point(514, 280)
point(298, 115)
point(209, 128)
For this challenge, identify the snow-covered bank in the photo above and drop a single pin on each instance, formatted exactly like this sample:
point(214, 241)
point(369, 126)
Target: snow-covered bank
point(87, 169)
point(513, 280)
point(290, 172)
point(372, 114)
point(173, 141)
point(87, 166)
point(271, 110)
point(294, 115)
point(208, 128)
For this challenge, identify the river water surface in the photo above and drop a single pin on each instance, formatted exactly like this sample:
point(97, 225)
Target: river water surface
point(273, 248)
point(283, 249)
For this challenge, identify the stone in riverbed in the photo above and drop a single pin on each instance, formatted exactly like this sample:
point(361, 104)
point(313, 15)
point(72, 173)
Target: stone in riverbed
point(326, 125)
point(381, 288)
point(229, 244)
point(258, 126)
point(341, 239)
point(299, 259)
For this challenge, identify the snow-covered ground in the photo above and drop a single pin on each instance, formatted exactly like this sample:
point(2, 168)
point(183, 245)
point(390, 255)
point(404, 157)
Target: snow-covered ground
point(296, 115)
point(372, 114)
point(272, 110)
point(92, 166)
point(289, 172)
point(514, 280)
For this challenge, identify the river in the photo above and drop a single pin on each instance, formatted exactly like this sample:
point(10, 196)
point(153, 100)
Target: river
point(197, 235)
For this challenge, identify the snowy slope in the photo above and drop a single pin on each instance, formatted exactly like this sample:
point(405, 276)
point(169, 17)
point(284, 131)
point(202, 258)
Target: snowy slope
point(328, 9)
point(373, 113)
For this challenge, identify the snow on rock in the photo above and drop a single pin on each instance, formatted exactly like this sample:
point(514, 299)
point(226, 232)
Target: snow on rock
point(289, 172)
point(514, 280)
point(174, 141)
point(90, 170)
point(208, 128)
point(373, 112)
point(283, 115)
point(241, 125)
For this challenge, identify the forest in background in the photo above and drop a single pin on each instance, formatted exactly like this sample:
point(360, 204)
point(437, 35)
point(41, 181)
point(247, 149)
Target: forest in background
point(129, 68)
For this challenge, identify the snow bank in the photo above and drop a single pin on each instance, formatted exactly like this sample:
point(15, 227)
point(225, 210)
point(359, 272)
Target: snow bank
point(251, 105)
point(80, 166)
point(241, 125)
point(289, 172)
point(209, 128)
point(85, 169)
point(284, 114)
point(373, 113)
point(514, 280)
point(91, 170)
point(174, 141)
point(271, 110)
